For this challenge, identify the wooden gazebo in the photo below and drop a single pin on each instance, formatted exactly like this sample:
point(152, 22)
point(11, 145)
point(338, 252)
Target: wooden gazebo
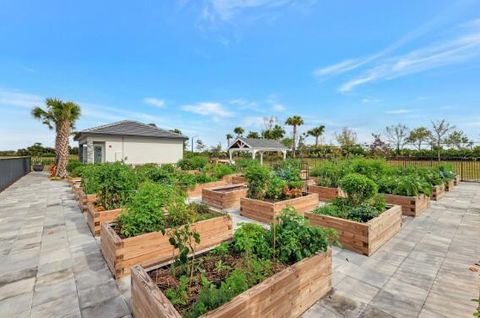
point(254, 146)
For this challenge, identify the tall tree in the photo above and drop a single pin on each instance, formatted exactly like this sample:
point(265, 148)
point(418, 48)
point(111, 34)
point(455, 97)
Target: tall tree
point(239, 131)
point(200, 146)
point(253, 134)
point(397, 135)
point(316, 132)
point(419, 136)
point(346, 137)
point(458, 140)
point(440, 130)
point(229, 137)
point(61, 116)
point(378, 148)
point(294, 121)
point(276, 132)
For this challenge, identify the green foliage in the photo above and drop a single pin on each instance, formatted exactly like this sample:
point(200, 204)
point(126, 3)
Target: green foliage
point(341, 208)
point(296, 239)
point(179, 295)
point(275, 189)
point(193, 163)
point(241, 165)
point(406, 185)
point(289, 170)
point(221, 249)
point(219, 171)
point(252, 239)
point(73, 164)
point(203, 178)
point(328, 173)
point(371, 168)
point(145, 211)
point(258, 178)
point(446, 172)
point(358, 188)
point(258, 270)
point(116, 184)
point(161, 174)
point(90, 181)
point(211, 297)
point(79, 171)
point(431, 175)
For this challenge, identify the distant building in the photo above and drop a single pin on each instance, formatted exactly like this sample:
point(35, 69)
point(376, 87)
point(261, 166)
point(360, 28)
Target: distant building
point(131, 142)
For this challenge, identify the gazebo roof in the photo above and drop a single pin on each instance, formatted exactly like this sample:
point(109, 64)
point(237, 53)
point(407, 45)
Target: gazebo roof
point(241, 143)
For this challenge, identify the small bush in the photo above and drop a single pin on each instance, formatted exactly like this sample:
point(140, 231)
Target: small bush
point(252, 239)
point(258, 178)
point(73, 164)
point(193, 163)
point(219, 171)
point(358, 188)
point(328, 174)
point(116, 183)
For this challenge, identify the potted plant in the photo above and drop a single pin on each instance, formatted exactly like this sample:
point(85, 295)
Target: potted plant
point(269, 192)
point(363, 220)
point(37, 163)
point(156, 217)
point(279, 272)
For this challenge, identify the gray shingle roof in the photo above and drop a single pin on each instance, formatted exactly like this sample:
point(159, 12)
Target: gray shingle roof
point(261, 143)
point(130, 128)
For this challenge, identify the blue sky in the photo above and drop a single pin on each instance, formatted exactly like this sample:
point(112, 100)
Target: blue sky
point(206, 66)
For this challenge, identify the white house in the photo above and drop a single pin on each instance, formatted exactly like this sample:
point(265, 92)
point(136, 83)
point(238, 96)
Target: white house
point(131, 142)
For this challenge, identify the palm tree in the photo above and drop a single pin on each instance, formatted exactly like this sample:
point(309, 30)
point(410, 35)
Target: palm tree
point(316, 132)
point(229, 137)
point(294, 121)
point(239, 131)
point(61, 116)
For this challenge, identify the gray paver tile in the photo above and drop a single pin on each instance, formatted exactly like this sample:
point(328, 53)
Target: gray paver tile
point(113, 308)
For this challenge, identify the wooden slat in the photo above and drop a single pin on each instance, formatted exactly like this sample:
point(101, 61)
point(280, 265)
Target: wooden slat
point(326, 193)
point(196, 191)
point(224, 200)
point(154, 248)
point(95, 217)
point(438, 192)
point(411, 206)
point(286, 294)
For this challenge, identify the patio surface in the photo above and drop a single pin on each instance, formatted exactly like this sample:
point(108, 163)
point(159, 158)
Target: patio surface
point(51, 266)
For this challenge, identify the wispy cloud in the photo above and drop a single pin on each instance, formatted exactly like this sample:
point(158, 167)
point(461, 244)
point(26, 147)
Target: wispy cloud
point(244, 104)
point(254, 121)
point(370, 100)
point(17, 98)
point(278, 107)
point(208, 109)
point(159, 103)
point(450, 51)
point(398, 111)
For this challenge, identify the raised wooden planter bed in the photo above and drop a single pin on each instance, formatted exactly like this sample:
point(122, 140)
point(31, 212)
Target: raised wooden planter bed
point(239, 179)
point(196, 191)
point(96, 217)
point(229, 177)
point(411, 206)
point(363, 238)
point(265, 211)
point(84, 199)
point(449, 185)
point(326, 193)
point(154, 248)
point(457, 180)
point(438, 192)
point(74, 181)
point(286, 294)
point(225, 197)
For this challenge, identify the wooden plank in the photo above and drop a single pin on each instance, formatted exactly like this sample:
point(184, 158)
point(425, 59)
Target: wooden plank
point(95, 217)
point(363, 238)
point(221, 199)
point(154, 248)
point(438, 192)
point(196, 191)
point(286, 294)
point(411, 206)
point(326, 193)
point(266, 212)
point(449, 185)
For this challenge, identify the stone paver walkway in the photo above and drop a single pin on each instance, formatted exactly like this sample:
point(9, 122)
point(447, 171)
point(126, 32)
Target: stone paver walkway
point(51, 266)
point(424, 271)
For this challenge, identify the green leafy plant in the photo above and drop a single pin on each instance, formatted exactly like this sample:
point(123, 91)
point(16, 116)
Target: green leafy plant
point(358, 188)
point(72, 165)
point(193, 163)
point(296, 239)
point(328, 174)
point(145, 212)
point(258, 178)
point(179, 295)
point(218, 171)
point(252, 239)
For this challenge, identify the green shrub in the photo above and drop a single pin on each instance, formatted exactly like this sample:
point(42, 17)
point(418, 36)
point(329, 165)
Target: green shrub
point(252, 239)
point(145, 211)
point(258, 178)
point(90, 182)
point(296, 239)
point(446, 172)
point(160, 174)
point(116, 183)
point(203, 178)
point(241, 165)
point(406, 185)
point(275, 189)
point(358, 188)
point(78, 171)
point(193, 163)
point(328, 174)
point(219, 171)
point(289, 170)
point(72, 165)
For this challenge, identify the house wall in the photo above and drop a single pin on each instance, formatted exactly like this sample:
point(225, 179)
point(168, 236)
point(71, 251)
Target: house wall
point(137, 150)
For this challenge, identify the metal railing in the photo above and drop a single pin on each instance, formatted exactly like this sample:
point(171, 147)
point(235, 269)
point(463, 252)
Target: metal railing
point(12, 169)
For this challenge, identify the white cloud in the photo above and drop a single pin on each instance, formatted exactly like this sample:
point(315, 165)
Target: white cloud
point(340, 67)
point(160, 103)
point(369, 100)
point(450, 51)
point(398, 111)
point(244, 104)
point(255, 121)
point(279, 107)
point(227, 9)
point(19, 99)
point(208, 109)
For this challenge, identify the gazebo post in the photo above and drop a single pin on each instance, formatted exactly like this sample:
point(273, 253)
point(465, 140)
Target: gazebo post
point(254, 152)
point(230, 154)
point(284, 155)
point(261, 158)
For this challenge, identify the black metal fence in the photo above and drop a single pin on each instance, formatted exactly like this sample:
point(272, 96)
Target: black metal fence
point(12, 169)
